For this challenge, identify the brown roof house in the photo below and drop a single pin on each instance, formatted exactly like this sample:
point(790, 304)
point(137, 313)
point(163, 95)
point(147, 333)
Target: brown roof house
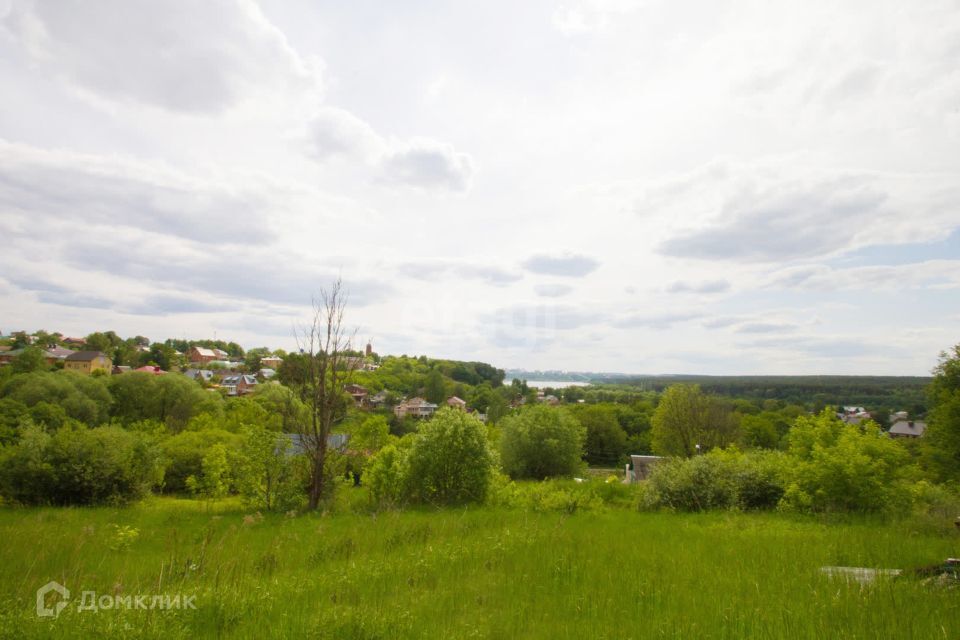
point(416, 407)
point(201, 355)
point(238, 384)
point(88, 362)
point(358, 393)
point(457, 403)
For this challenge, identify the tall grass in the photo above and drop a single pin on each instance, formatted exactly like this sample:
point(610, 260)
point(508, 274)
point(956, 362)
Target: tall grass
point(485, 572)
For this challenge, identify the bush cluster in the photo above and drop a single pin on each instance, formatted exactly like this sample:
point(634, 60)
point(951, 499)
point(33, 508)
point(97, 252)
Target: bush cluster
point(447, 462)
point(79, 465)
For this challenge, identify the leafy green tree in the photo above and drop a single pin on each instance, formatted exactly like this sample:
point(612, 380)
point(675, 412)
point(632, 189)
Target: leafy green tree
point(252, 358)
point(83, 398)
point(435, 390)
point(386, 475)
point(606, 439)
point(105, 342)
point(449, 461)
point(13, 415)
point(179, 398)
point(160, 355)
point(287, 411)
point(541, 442)
point(758, 432)
point(843, 467)
point(941, 442)
point(185, 451)
point(367, 436)
point(497, 408)
point(50, 416)
point(30, 360)
point(78, 465)
point(686, 417)
point(213, 481)
point(265, 469)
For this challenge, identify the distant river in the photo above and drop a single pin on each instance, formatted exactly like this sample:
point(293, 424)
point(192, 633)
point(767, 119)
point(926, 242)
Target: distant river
point(555, 384)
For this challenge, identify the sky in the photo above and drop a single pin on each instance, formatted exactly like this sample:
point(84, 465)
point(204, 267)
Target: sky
point(745, 187)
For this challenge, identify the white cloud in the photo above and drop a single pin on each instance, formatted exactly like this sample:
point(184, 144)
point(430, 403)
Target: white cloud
point(758, 214)
point(553, 290)
point(930, 274)
point(706, 286)
point(336, 132)
point(63, 186)
point(179, 55)
point(428, 164)
point(567, 264)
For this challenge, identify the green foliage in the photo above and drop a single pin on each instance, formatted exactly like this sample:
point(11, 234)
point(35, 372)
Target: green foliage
point(835, 466)
point(435, 390)
point(758, 432)
point(266, 473)
point(386, 476)
point(213, 481)
point(171, 399)
point(564, 496)
point(449, 461)
point(78, 465)
point(941, 442)
point(83, 398)
point(123, 537)
point(606, 442)
point(13, 414)
point(30, 360)
point(185, 451)
point(809, 391)
point(686, 417)
point(541, 442)
point(718, 480)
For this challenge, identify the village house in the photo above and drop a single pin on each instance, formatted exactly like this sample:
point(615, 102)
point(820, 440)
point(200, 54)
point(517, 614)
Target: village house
point(377, 400)
point(271, 362)
point(88, 362)
point(357, 392)
point(415, 407)
point(51, 355)
point(457, 403)
point(203, 355)
point(155, 370)
point(238, 384)
point(907, 429)
point(205, 375)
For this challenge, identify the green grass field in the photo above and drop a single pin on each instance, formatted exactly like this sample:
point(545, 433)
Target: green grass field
point(487, 573)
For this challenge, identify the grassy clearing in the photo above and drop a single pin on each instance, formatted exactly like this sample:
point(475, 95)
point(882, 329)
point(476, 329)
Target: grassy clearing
point(495, 573)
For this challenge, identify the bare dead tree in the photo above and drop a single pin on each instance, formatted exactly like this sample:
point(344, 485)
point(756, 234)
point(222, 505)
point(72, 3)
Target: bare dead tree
point(327, 347)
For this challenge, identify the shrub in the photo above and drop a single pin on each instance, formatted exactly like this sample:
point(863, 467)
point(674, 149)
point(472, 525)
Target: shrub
point(449, 461)
point(841, 467)
point(385, 476)
point(78, 465)
point(695, 484)
point(185, 451)
point(718, 480)
point(541, 442)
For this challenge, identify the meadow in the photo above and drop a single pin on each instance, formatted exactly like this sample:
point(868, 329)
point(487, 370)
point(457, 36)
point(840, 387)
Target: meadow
point(481, 572)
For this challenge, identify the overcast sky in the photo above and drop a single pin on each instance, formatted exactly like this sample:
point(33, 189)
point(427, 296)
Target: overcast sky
point(617, 185)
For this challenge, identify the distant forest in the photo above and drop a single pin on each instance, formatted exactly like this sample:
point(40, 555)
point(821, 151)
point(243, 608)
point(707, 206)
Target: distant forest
point(907, 393)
